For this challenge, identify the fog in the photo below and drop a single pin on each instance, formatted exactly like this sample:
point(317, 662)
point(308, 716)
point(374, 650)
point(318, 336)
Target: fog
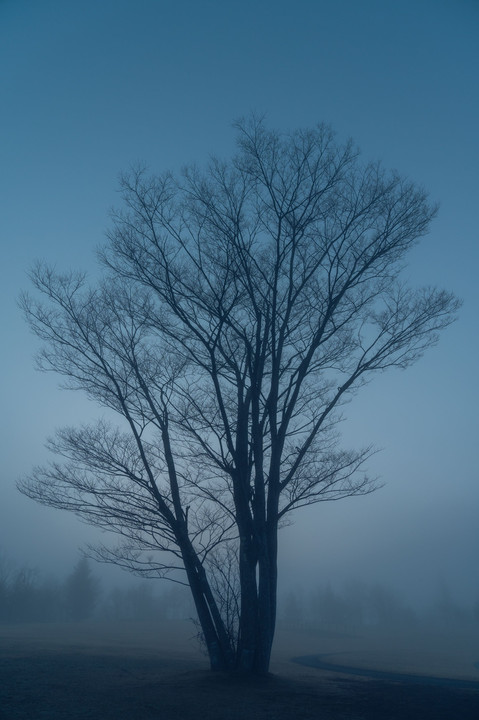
point(350, 607)
point(90, 91)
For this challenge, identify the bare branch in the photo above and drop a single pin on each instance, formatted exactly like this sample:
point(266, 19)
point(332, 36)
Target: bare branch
point(243, 305)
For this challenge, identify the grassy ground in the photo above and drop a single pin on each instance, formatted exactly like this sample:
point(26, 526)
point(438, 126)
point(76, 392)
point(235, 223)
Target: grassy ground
point(156, 672)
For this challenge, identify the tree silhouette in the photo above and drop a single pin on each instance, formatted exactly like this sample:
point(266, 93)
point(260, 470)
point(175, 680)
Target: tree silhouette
point(81, 591)
point(241, 307)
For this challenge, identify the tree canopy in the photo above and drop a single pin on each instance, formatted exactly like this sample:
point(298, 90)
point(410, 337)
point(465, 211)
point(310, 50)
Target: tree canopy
point(241, 305)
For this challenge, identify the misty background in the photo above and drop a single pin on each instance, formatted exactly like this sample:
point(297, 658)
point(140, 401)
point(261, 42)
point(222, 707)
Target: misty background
point(88, 89)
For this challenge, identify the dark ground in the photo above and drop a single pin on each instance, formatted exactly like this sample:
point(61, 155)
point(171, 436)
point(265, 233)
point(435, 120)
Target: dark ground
point(145, 674)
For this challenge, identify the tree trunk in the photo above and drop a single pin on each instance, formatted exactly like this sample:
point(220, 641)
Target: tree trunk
point(267, 588)
point(248, 625)
point(258, 575)
point(215, 635)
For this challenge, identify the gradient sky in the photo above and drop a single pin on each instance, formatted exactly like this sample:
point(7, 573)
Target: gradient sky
point(88, 88)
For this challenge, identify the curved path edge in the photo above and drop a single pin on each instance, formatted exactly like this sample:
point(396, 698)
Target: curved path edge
point(317, 661)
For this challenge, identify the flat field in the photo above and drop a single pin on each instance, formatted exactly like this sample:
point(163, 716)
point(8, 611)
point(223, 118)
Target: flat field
point(136, 671)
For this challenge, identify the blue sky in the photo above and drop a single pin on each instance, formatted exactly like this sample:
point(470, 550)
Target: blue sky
point(89, 88)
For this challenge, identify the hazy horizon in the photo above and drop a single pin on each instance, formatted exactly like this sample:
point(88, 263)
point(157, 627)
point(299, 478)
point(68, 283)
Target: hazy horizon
point(90, 89)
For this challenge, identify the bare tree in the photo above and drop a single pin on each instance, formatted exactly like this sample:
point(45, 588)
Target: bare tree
point(242, 305)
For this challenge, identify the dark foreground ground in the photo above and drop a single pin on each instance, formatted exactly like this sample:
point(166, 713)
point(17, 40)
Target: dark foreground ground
point(150, 673)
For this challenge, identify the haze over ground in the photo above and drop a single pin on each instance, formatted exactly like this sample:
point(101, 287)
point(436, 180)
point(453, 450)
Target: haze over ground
point(90, 88)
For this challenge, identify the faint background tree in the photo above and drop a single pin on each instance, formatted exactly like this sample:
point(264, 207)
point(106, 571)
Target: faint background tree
point(81, 592)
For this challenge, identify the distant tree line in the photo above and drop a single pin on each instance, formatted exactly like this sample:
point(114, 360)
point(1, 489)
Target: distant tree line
point(140, 602)
point(27, 596)
point(358, 605)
